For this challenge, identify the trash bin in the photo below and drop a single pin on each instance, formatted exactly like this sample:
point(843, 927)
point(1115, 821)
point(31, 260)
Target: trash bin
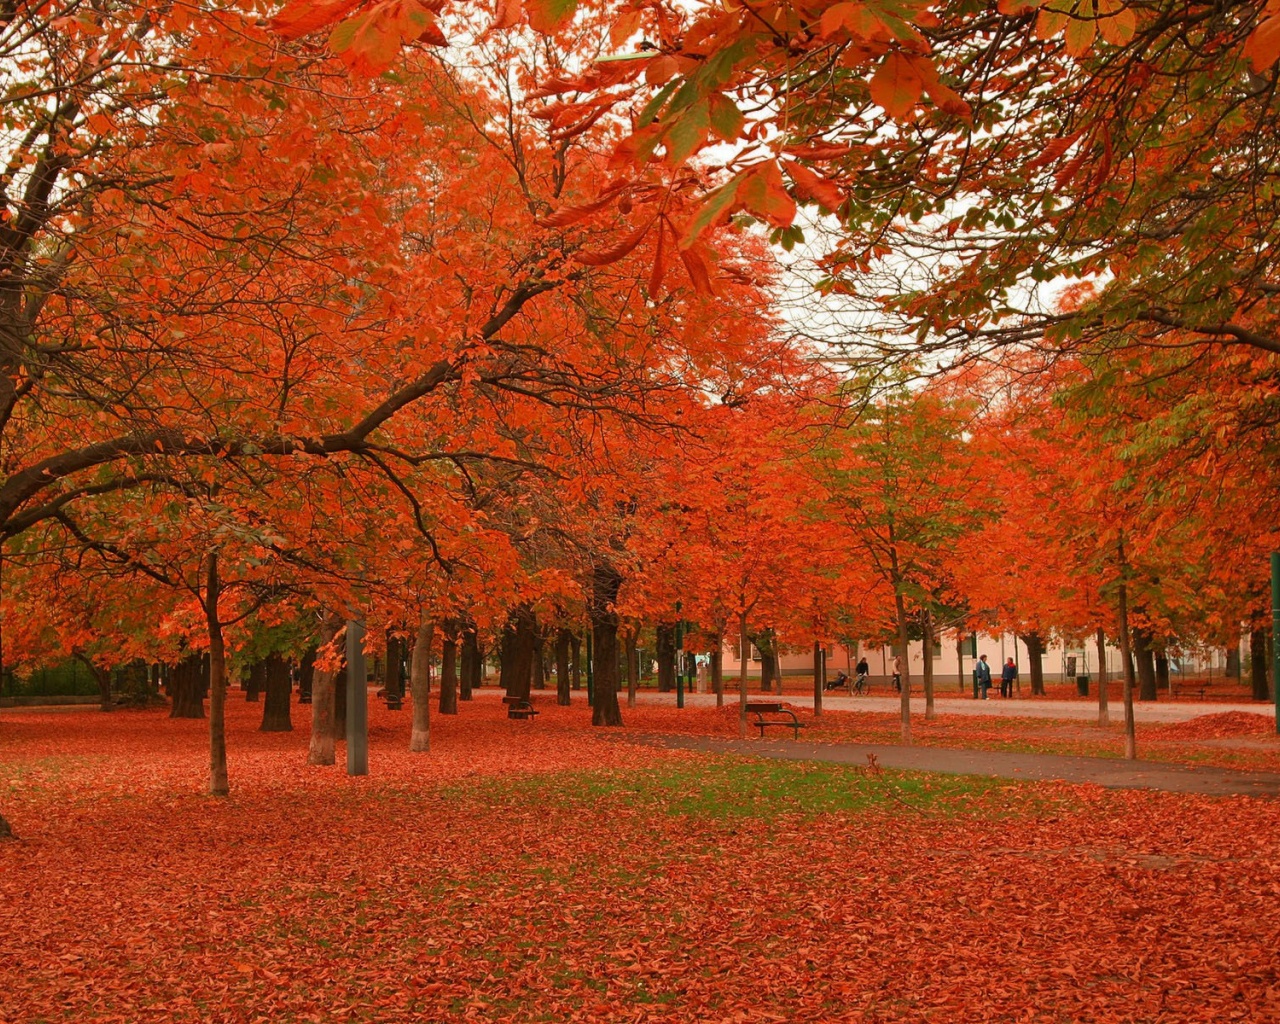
point(1082, 685)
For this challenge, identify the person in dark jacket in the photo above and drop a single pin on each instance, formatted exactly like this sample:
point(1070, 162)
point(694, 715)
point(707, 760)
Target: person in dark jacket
point(1007, 675)
point(982, 675)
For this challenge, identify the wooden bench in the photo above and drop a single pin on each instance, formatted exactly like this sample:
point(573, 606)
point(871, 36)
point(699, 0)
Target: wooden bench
point(1198, 688)
point(519, 708)
point(394, 701)
point(761, 709)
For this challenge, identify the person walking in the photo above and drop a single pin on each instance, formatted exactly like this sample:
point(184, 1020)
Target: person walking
point(897, 673)
point(1007, 675)
point(982, 676)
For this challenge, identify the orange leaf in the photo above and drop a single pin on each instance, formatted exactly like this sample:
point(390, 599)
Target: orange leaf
point(616, 252)
point(814, 187)
point(302, 17)
point(1262, 48)
point(896, 86)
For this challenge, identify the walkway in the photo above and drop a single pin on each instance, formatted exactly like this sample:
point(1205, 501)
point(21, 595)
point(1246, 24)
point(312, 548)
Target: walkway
point(951, 704)
point(1102, 771)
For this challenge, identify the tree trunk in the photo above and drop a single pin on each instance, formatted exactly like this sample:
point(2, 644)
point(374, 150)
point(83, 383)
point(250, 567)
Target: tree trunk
point(1104, 712)
point(717, 667)
point(745, 655)
point(904, 701)
point(469, 669)
point(1233, 661)
point(5, 831)
point(563, 639)
point(575, 660)
point(518, 653)
point(665, 651)
point(960, 658)
point(449, 670)
point(926, 624)
point(606, 581)
point(254, 685)
point(1130, 737)
point(819, 665)
point(1258, 657)
point(538, 668)
point(1162, 672)
point(1141, 640)
point(306, 676)
point(322, 717)
point(1035, 662)
point(632, 667)
point(219, 783)
point(278, 687)
point(420, 686)
point(393, 670)
point(102, 677)
point(186, 688)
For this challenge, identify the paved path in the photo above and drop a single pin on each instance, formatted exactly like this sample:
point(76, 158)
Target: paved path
point(1102, 771)
point(996, 707)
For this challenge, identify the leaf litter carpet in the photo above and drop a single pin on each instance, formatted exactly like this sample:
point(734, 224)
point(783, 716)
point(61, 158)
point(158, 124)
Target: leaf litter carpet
point(529, 872)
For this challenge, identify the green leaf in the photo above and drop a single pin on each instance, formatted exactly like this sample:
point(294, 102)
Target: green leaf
point(546, 16)
point(712, 207)
point(654, 105)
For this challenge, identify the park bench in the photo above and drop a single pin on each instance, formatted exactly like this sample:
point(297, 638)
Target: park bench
point(394, 701)
point(518, 707)
point(1197, 687)
point(762, 709)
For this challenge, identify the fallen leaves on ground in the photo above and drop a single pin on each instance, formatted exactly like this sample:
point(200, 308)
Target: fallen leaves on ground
point(528, 872)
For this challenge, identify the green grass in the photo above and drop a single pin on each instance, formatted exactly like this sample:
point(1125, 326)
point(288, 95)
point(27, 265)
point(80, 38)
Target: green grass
point(734, 787)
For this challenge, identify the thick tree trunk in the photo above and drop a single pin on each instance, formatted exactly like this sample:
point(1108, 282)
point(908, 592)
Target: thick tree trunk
point(1142, 655)
point(256, 682)
point(1162, 672)
point(1259, 651)
point(518, 653)
point(1233, 661)
point(665, 651)
point(926, 624)
point(219, 782)
point(960, 659)
point(323, 706)
point(278, 687)
point(606, 581)
point(633, 667)
point(1104, 712)
point(575, 660)
point(420, 686)
point(449, 670)
point(186, 688)
point(563, 638)
point(1035, 662)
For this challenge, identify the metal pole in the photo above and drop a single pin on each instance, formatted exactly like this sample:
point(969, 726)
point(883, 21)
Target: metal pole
point(679, 663)
point(357, 702)
point(1275, 634)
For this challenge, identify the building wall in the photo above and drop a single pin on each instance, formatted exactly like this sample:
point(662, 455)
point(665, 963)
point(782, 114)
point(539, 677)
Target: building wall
point(947, 667)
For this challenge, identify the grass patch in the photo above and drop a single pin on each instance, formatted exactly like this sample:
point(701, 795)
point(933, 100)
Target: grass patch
point(724, 787)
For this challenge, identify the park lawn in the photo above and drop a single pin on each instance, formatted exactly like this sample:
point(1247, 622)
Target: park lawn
point(531, 872)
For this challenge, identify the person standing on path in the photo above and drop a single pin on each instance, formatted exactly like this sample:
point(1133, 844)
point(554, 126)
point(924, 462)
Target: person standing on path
point(1007, 675)
point(897, 674)
point(982, 676)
